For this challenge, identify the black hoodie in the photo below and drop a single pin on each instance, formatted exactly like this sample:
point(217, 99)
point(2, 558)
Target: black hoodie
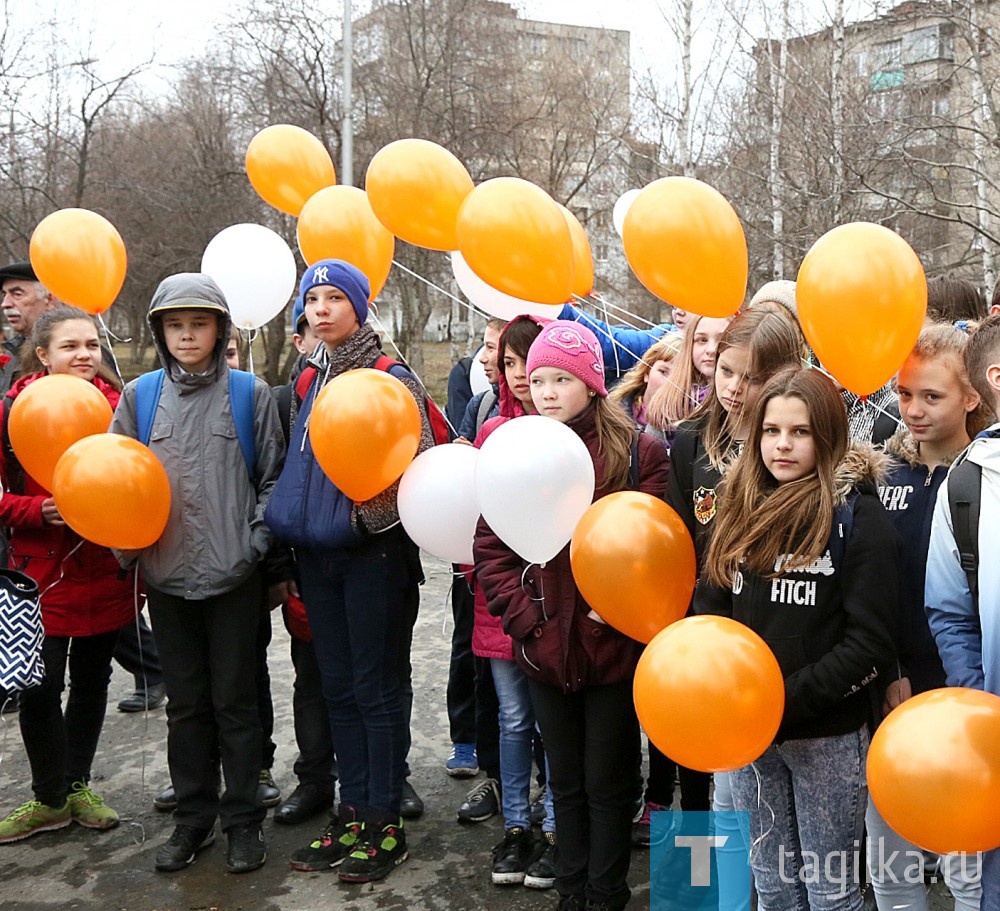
point(829, 624)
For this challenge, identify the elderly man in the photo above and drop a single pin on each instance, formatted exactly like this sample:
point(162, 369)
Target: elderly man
point(24, 300)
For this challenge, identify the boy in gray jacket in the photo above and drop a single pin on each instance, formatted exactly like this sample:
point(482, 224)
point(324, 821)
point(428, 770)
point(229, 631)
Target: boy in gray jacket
point(202, 576)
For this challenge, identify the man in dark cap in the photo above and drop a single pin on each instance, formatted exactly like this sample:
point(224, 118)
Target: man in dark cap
point(24, 300)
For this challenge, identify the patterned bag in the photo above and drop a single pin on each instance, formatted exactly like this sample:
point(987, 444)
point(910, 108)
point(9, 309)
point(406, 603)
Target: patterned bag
point(21, 632)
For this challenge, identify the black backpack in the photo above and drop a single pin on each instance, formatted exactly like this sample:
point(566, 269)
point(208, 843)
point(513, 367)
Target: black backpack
point(965, 482)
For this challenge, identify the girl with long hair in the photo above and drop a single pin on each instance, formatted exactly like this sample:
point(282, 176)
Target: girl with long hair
point(86, 599)
point(804, 554)
point(580, 670)
point(653, 372)
point(756, 344)
point(692, 378)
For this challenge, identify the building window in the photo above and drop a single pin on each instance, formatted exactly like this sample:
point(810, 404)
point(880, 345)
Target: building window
point(601, 253)
point(921, 44)
point(888, 55)
point(884, 80)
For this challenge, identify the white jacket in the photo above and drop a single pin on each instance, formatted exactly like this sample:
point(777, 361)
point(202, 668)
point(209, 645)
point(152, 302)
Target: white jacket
point(968, 640)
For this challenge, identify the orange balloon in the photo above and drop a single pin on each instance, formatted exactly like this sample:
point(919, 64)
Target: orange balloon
point(934, 770)
point(685, 243)
point(365, 431)
point(513, 236)
point(583, 258)
point(861, 296)
point(113, 491)
point(416, 188)
point(287, 165)
point(49, 416)
point(633, 561)
point(709, 693)
point(338, 223)
point(80, 257)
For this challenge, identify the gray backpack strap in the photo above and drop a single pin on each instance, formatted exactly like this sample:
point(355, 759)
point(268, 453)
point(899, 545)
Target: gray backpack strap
point(965, 481)
point(486, 404)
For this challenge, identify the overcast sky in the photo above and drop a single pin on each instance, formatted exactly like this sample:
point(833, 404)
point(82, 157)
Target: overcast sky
point(129, 31)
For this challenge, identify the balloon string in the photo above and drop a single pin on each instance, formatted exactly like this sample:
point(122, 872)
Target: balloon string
point(604, 301)
point(381, 327)
point(594, 325)
point(756, 843)
point(431, 284)
point(249, 335)
point(607, 320)
point(864, 399)
point(62, 570)
point(108, 334)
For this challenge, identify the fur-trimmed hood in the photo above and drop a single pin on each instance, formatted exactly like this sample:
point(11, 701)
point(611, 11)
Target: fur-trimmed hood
point(902, 446)
point(863, 467)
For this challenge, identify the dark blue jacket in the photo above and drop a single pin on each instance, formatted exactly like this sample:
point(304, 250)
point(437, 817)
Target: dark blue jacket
point(908, 495)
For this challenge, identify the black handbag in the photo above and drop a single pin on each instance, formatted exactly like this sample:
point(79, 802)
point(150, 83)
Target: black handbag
point(21, 632)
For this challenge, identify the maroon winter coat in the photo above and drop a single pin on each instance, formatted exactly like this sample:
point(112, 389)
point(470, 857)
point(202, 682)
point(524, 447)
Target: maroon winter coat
point(94, 594)
point(555, 642)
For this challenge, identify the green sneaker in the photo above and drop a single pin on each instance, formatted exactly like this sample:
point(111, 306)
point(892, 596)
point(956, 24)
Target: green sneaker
point(33, 817)
point(339, 838)
point(88, 809)
point(376, 856)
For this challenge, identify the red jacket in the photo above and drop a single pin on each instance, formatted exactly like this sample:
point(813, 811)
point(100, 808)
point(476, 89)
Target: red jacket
point(94, 595)
point(555, 642)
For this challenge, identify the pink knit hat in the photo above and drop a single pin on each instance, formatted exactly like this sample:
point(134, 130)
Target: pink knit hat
point(570, 347)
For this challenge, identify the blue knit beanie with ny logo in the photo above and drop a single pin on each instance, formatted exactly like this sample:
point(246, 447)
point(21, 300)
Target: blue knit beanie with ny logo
point(351, 280)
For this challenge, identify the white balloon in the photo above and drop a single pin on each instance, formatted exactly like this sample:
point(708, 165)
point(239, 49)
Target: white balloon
point(255, 270)
point(534, 480)
point(477, 374)
point(437, 501)
point(492, 301)
point(621, 209)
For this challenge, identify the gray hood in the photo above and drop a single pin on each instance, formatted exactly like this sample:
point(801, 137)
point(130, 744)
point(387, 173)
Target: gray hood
point(188, 291)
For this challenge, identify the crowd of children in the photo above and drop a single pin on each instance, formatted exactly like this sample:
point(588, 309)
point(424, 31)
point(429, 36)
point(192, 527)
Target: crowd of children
point(797, 497)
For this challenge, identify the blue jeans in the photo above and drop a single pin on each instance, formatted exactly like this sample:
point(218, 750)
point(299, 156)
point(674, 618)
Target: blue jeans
point(991, 880)
point(807, 801)
point(734, 886)
point(517, 731)
point(355, 599)
point(896, 868)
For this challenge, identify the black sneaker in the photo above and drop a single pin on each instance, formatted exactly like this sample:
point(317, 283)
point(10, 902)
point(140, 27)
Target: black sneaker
point(339, 838)
point(181, 848)
point(482, 802)
point(377, 856)
point(247, 850)
point(541, 871)
point(511, 857)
